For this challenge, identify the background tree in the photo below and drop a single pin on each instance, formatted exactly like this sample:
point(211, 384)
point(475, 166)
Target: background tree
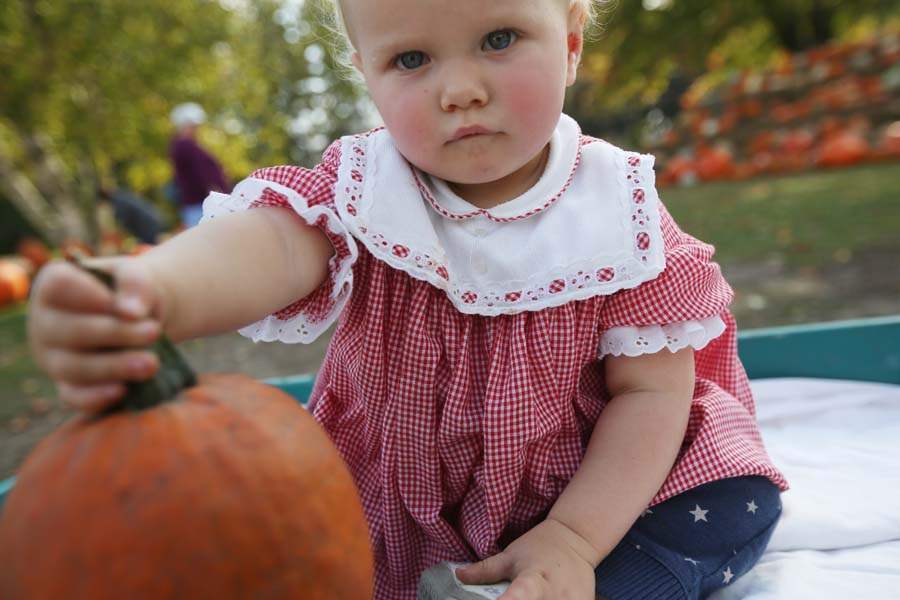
point(89, 84)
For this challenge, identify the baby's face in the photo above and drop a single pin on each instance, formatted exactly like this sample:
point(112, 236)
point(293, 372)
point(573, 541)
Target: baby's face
point(471, 90)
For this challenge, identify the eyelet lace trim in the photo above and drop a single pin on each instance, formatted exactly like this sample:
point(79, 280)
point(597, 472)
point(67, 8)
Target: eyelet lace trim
point(292, 326)
point(634, 341)
point(577, 281)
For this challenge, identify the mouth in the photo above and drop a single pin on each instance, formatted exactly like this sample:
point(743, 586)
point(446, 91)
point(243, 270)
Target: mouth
point(469, 132)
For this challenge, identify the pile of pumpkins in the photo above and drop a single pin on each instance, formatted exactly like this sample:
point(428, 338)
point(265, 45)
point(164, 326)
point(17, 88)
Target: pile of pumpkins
point(833, 106)
point(18, 271)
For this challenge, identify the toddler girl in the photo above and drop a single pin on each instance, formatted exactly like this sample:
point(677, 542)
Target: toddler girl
point(534, 368)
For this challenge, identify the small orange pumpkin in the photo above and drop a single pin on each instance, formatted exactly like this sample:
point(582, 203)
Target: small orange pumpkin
point(14, 282)
point(714, 163)
point(224, 489)
point(890, 139)
point(35, 251)
point(843, 149)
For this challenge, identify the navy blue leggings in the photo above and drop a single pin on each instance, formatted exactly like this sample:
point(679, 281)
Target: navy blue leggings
point(694, 543)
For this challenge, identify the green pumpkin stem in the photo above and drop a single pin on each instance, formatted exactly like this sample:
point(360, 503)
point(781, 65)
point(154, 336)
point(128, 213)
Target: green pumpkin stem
point(174, 374)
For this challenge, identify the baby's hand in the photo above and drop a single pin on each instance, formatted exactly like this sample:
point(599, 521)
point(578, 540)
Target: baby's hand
point(547, 563)
point(90, 339)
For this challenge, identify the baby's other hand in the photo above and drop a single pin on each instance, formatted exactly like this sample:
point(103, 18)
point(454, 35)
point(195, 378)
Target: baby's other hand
point(90, 339)
point(548, 562)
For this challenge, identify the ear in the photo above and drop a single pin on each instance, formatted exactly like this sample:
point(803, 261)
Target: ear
point(575, 40)
point(356, 59)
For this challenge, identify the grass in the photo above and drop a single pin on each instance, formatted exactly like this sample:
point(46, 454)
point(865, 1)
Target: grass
point(807, 220)
point(21, 382)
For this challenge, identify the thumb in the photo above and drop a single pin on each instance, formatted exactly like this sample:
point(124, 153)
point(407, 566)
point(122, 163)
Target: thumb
point(136, 295)
point(490, 570)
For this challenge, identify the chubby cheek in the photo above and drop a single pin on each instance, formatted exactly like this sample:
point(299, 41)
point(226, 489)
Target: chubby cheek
point(410, 120)
point(533, 100)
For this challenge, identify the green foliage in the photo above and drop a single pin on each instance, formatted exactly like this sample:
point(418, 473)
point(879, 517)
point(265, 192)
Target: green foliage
point(99, 78)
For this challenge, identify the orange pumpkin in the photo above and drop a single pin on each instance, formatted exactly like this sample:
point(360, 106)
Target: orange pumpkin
point(714, 163)
point(35, 251)
point(229, 489)
point(680, 170)
point(14, 282)
point(798, 141)
point(843, 149)
point(890, 140)
point(763, 162)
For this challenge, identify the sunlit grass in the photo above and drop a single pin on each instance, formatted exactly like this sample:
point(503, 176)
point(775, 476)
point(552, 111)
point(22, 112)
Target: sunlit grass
point(809, 219)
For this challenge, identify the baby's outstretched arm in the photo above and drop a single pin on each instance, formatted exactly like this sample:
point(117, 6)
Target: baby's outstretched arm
point(235, 270)
point(210, 279)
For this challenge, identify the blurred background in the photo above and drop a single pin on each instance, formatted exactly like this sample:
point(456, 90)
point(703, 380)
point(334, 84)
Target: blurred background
point(776, 124)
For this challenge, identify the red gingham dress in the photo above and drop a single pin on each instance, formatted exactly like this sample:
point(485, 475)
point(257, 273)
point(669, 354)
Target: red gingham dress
point(461, 430)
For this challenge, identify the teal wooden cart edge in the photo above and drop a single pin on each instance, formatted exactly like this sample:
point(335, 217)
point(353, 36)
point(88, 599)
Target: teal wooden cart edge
point(5, 486)
point(862, 349)
point(859, 350)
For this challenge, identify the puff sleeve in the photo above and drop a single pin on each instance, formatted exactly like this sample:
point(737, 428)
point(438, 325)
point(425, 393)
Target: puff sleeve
point(310, 194)
point(684, 305)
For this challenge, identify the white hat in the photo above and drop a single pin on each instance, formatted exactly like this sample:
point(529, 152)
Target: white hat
point(186, 114)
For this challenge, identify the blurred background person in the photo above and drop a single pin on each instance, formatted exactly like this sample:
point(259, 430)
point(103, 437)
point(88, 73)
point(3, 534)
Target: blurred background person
point(197, 172)
point(134, 214)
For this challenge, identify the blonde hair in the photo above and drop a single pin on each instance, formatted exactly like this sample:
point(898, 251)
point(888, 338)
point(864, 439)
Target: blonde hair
point(342, 47)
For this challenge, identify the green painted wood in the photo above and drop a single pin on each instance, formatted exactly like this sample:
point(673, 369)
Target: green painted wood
point(5, 486)
point(864, 350)
point(298, 386)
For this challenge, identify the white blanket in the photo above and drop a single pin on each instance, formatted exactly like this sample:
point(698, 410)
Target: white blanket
point(838, 443)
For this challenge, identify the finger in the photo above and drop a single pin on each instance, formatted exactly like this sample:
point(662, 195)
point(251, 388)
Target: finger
point(91, 368)
point(91, 398)
point(527, 586)
point(135, 294)
point(82, 332)
point(489, 570)
point(67, 287)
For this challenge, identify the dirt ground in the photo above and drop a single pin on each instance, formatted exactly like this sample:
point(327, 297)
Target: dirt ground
point(767, 294)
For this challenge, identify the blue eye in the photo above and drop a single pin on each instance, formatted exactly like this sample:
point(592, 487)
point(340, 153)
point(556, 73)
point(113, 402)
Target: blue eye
point(410, 61)
point(499, 40)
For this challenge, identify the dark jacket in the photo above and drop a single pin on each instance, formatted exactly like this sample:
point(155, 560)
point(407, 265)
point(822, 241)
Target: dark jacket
point(197, 173)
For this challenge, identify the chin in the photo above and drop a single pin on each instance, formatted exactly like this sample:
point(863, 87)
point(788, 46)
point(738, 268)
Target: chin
point(474, 176)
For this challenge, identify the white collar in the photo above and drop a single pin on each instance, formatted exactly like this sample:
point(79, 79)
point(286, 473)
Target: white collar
point(565, 154)
point(603, 234)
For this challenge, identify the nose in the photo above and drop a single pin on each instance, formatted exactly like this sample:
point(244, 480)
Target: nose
point(463, 88)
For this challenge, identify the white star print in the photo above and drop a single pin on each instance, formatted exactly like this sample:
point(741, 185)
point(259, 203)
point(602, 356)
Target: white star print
point(699, 514)
point(646, 512)
point(728, 576)
point(751, 506)
point(692, 561)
